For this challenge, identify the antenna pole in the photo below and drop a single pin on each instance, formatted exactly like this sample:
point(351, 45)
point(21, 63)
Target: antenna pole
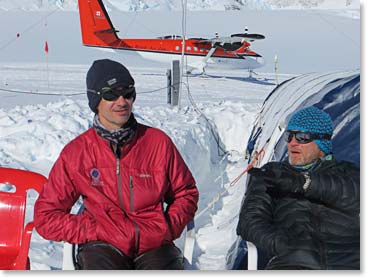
point(276, 60)
point(184, 9)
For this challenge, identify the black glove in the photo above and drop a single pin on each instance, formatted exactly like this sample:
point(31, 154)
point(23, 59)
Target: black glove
point(280, 179)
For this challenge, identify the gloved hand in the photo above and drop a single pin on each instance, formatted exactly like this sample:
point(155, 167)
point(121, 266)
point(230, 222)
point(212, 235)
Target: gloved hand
point(280, 179)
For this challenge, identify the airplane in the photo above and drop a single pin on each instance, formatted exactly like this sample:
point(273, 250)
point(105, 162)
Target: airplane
point(231, 52)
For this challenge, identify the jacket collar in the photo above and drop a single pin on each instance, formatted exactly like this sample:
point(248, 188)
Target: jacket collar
point(101, 142)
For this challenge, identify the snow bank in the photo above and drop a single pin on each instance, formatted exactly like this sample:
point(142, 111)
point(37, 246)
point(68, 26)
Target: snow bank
point(33, 135)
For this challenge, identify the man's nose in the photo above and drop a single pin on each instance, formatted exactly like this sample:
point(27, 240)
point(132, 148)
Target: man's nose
point(120, 101)
point(293, 141)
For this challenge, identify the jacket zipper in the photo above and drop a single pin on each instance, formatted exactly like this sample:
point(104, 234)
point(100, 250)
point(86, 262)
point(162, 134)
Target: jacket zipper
point(322, 255)
point(131, 194)
point(118, 154)
point(136, 227)
point(118, 173)
point(317, 226)
point(322, 248)
point(119, 186)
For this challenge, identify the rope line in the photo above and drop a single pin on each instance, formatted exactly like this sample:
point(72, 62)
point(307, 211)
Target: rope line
point(9, 42)
point(39, 93)
point(251, 164)
point(154, 90)
point(338, 30)
point(234, 182)
point(62, 94)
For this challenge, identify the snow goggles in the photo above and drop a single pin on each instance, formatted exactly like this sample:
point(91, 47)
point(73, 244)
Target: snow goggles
point(112, 94)
point(304, 137)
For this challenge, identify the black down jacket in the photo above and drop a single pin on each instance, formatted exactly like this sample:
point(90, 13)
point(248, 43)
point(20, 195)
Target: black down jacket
point(319, 229)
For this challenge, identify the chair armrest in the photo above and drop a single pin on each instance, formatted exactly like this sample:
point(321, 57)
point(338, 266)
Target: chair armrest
point(251, 256)
point(67, 258)
point(21, 261)
point(189, 243)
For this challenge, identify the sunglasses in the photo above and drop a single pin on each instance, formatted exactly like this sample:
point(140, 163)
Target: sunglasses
point(112, 94)
point(304, 137)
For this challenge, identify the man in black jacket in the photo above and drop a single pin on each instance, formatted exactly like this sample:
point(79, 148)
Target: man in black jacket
point(304, 213)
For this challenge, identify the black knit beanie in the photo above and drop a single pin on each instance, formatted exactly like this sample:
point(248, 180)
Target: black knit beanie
point(105, 73)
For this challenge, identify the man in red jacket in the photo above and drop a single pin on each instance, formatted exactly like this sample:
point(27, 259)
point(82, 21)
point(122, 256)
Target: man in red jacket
point(125, 172)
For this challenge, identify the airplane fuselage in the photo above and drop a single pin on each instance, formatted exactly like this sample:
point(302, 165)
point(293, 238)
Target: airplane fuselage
point(168, 48)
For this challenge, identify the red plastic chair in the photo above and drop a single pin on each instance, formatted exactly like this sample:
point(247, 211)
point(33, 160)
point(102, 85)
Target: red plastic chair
point(14, 237)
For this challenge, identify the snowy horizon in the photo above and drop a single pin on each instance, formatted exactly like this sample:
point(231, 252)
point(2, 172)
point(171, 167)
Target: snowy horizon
point(176, 5)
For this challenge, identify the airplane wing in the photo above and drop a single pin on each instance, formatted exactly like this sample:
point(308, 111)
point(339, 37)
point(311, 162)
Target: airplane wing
point(248, 36)
point(227, 43)
point(222, 40)
point(234, 42)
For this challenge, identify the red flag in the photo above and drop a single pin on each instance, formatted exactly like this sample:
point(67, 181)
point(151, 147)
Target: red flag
point(46, 47)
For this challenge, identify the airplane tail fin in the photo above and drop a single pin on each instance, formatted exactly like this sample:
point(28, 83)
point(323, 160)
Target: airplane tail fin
point(96, 26)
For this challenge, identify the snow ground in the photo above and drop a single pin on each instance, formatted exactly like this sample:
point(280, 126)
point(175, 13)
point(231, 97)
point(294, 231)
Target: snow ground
point(34, 128)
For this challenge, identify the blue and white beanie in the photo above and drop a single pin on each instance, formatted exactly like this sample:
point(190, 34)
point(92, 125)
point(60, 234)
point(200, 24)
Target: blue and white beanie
point(313, 120)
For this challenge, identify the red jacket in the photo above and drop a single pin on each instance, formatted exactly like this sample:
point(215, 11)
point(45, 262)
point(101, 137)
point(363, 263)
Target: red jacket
point(123, 197)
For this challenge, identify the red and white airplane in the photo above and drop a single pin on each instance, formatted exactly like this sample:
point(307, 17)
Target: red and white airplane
point(233, 51)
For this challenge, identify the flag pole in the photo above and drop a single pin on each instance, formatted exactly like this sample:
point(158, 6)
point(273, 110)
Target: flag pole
point(46, 50)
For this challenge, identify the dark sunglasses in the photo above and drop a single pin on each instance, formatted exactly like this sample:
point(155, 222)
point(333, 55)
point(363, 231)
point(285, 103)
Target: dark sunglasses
point(304, 137)
point(112, 94)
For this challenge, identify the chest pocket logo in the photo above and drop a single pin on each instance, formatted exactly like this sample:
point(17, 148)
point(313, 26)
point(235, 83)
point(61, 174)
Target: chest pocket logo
point(95, 175)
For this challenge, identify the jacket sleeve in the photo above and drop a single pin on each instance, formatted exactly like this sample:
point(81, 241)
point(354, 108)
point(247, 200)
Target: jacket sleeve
point(182, 195)
point(338, 187)
point(52, 217)
point(256, 219)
